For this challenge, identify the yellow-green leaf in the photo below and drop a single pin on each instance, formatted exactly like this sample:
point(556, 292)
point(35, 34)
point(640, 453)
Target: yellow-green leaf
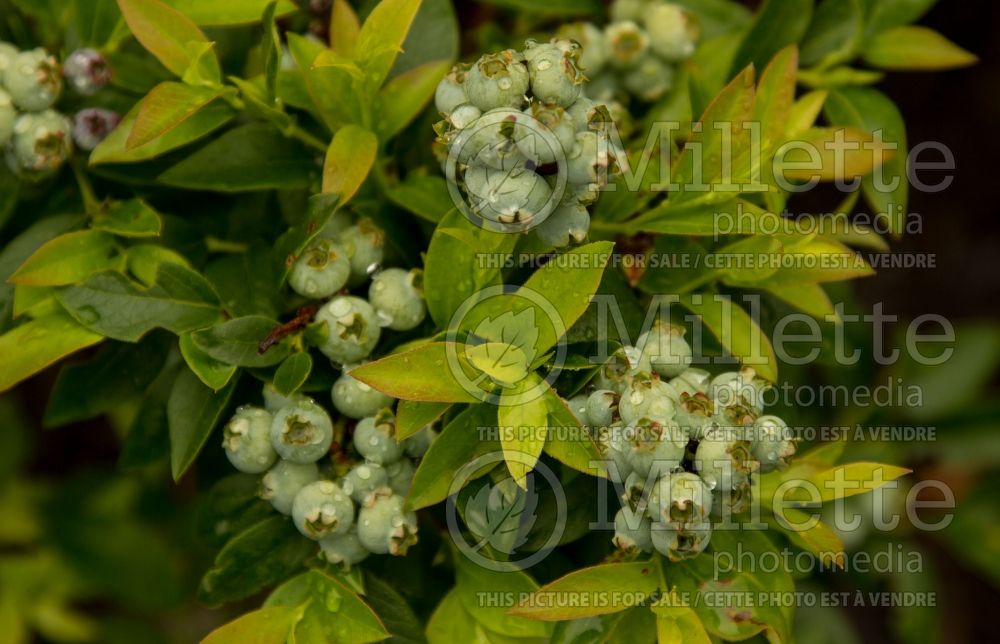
point(165, 107)
point(30, 347)
point(600, 590)
point(382, 36)
point(736, 330)
point(349, 159)
point(344, 29)
point(166, 32)
point(915, 48)
point(523, 427)
point(68, 259)
point(262, 626)
point(405, 96)
point(422, 374)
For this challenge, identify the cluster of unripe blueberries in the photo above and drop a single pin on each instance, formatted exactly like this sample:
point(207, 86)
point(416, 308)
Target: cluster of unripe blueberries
point(683, 444)
point(35, 137)
point(637, 52)
point(529, 148)
point(348, 498)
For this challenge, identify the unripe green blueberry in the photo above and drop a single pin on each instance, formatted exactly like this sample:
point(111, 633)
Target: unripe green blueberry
point(691, 381)
point(578, 407)
point(555, 77)
point(302, 432)
point(626, 43)
point(727, 503)
point(723, 458)
point(655, 446)
point(681, 499)
point(337, 225)
point(321, 270)
point(585, 164)
point(566, 224)
point(247, 440)
point(375, 438)
point(343, 549)
point(739, 388)
point(512, 197)
point(464, 115)
point(398, 297)
point(616, 374)
point(678, 544)
point(497, 80)
point(364, 244)
point(352, 329)
point(42, 142)
point(416, 445)
point(450, 92)
point(668, 352)
point(649, 78)
point(33, 81)
point(8, 114)
point(604, 87)
point(356, 399)
point(648, 396)
point(321, 509)
point(490, 141)
point(589, 115)
point(628, 10)
point(273, 400)
point(400, 476)
point(384, 526)
point(283, 481)
point(592, 57)
point(363, 479)
point(8, 53)
point(601, 407)
point(673, 31)
point(613, 445)
point(632, 531)
point(772, 442)
point(534, 135)
point(695, 413)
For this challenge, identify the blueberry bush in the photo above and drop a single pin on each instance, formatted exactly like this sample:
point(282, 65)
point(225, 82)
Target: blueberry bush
point(415, 320)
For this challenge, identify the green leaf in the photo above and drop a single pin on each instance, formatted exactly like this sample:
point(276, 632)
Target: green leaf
point(779, 23)
point(349, 159)
point(119, 373)
point(554, 7)
point(68, 259)
point(166, 107)
point(424, 195)
point(290, 245)
point(504, 363)
point(609, 587)
point(292, 373)
point(450, 623)
point(422, 374)
point(330, 611)
point(330, 92)
point(227, 12)
point(808, 298)
point(819, 539)
point(270, 52)
point(193, 411)
point(250, 157)
point(523, 428)
point(113, 149)
point(886, 14)
point(262, 626)
point(736, 330)
point(166, 33)
point(872, 111)
point(114, 306)
point(246, 282)
point(570, 443)
point(819, 260)
point(382, 36)
point(261, 555)
point(237, 342)
point(458, 443)
point(406, 95)
point(132, 218)
point(434, 35)
point(774, 98)
point(213, 373)
point(144, 260)
point(95, 21)
point(344, 29)
point(835, 34)
point(913, 48)
point(830, 154)
point(679, 624)
point(30, 347)
point(854, 479)
point(412, 416)
point(392, 610)
point(471, 579)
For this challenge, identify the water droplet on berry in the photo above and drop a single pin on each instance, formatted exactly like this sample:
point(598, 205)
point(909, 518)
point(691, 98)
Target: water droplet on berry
point(504, 83)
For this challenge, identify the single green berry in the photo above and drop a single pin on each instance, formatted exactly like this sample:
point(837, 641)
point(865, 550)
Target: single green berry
point(655, 446)
point(590, 160)
point(739, 388)
point(450, 92)
point(566, 224)
point(673, 31)
point(384, 526)
point(8, 53)
point(352, 329)
point(628, 10)
point(695, 414)
point(400, 476)
point(417, 444)
point(464, 115)
point(491, 141)
point(283, 481)
point(632, 531)
point(364, 244)
point(321, 270)
point(678, 544)
point(601, 407)
point(616, 374)
point(343, 549)
point(772, 442)
point(555, 77)
point(727, 503)
point(546, 134)
point(247, 440)
point(42, 142)
point(578, 407)
point(273, 400)
point(613, 445)
point(512, 197)
point(375, 438)
point(363, 479)
point(497, 80)
point(593, 56)
point(337, 225)
point(647, 395)
point(8, 114)
point(649, 78)
point(32, 78)
point(668, 352)
point(680, 499)
point(356, 399)
point(302, 432)
point(398, 297)
point(691, 381)
point(604, 87)
point(723, 458)
point(321, 509)
point(626, 44)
